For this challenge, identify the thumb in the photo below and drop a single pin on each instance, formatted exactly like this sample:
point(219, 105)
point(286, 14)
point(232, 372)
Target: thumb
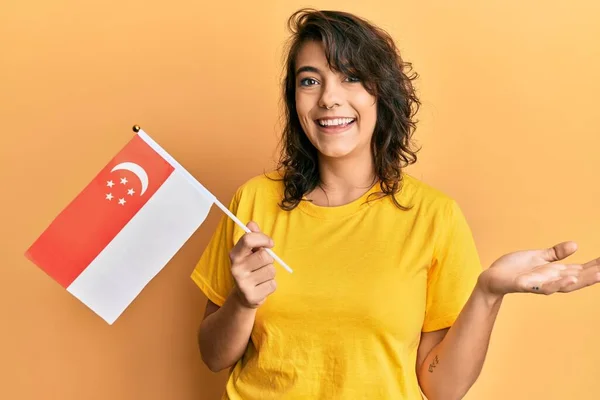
point(559, 251)
point(253, 226)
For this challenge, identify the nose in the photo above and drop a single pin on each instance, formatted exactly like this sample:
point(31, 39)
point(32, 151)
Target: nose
point(331, 95)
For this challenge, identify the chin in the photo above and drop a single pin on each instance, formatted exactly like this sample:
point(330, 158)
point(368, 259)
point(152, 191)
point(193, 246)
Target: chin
point(336, 151)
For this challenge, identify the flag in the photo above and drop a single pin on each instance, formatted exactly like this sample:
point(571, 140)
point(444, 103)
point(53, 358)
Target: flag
point(118, 233)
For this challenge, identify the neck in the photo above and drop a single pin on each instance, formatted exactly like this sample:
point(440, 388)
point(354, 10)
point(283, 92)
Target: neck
point(343, 180)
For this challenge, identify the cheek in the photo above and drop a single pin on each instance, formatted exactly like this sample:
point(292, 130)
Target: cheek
point(303, 111)
point(368, 112)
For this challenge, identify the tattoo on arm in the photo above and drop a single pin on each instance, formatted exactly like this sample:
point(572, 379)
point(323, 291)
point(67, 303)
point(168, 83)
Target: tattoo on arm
point(434, 363)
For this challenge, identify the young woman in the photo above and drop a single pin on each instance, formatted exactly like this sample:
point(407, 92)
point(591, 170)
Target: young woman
point(388, 298)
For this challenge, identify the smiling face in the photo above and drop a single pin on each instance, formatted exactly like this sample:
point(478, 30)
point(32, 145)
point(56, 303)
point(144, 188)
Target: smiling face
point(336, 112)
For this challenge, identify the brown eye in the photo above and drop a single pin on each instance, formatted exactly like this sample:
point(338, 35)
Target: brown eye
point(308, 82)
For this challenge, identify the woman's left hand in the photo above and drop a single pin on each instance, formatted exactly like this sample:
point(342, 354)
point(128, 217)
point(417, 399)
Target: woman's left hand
point(539, 271)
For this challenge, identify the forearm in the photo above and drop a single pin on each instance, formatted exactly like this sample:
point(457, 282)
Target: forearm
point(453, 366)
point(224, 334)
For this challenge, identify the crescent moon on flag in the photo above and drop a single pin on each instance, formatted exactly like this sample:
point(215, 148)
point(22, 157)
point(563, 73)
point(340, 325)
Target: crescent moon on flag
point(137, 170)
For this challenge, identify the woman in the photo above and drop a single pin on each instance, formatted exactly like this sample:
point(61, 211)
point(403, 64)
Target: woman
point(388, 298)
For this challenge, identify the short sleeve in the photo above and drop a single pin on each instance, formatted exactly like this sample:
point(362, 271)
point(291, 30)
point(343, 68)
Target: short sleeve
point(212, 273)
point(454, 270)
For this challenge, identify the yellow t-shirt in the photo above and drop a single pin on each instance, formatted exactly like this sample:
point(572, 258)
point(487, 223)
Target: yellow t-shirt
point(368, 279)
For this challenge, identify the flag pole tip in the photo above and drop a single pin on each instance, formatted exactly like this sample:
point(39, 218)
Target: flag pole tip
point(136, 128)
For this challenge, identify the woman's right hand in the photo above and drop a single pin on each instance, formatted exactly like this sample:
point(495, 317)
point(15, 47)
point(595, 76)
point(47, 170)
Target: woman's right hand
point(252, 267)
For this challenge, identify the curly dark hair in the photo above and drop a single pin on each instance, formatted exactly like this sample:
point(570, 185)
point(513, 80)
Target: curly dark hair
point(354, 47)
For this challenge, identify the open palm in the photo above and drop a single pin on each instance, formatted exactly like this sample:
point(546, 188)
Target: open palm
point(540, 271)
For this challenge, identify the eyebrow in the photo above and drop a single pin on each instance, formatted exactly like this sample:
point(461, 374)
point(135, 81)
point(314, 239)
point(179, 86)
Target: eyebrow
point(308, 68)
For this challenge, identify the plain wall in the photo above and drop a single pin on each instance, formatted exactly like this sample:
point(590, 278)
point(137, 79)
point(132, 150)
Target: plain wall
point(508, 128)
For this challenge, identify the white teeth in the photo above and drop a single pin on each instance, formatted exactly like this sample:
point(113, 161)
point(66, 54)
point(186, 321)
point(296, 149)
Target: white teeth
point(335, 122)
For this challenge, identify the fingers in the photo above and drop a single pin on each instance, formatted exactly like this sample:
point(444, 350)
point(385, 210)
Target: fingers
point(267, 288)
point(249, 242)
point(552, 278)
point(252, 267)
point(263, 274)
point(594, 263)
point(251, 263)
point(588, 276)
point(253, 296)
point(258, 260)
point(255, 278)
point(568, 270)
point(556, 285)
point(566, 278)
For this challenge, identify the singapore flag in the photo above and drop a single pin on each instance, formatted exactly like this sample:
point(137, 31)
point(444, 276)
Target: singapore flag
point(122, 228)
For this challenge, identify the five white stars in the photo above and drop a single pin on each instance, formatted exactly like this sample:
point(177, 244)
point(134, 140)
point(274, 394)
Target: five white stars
point(122, 201)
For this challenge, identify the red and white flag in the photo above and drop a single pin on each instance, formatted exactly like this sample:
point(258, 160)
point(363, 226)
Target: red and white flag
point(123, 227)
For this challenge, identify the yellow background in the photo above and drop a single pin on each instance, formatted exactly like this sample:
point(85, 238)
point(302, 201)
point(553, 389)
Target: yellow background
point(508, 127)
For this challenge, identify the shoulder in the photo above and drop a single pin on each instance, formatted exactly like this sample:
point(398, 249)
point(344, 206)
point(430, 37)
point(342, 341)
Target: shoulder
point(439, 210)
point(266, 186)
point(423, 196)
point(442, 218)
point(268, 182)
